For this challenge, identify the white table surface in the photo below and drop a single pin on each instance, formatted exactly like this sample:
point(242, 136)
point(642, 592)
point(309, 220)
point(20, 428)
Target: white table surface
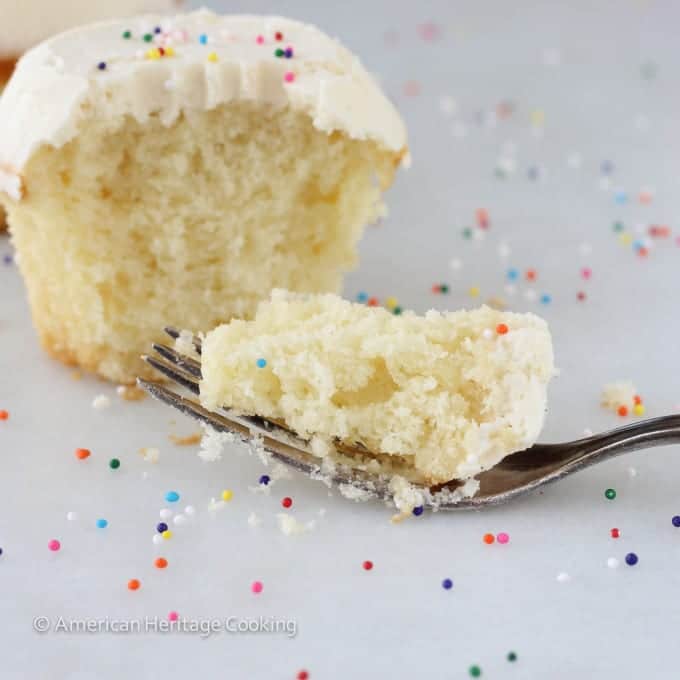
point(613, 96)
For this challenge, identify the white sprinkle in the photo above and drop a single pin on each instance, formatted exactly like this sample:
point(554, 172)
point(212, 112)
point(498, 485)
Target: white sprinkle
point(530, 294)
point(612, 563)
point(157, 539)
point(563, 577)
point(71, 516)
point(455, 264)
point(100, 402)
point(190, 510)
point(179, 520)
point(254, 520)
point(165, 513)
point(215, 505)
point(447, 105)
point(487, 334)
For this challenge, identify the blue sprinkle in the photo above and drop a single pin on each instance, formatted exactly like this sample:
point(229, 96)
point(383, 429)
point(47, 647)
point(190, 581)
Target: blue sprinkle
point(607, 167)
point(0, 551)
point(157, 29)
point(621, 197)
point(533, 172)
point(631, 559)
point(101, 66)
point(513, 274)
point(418, 510)
point(546, 299)
point(447, 584)
point(638, 245)
point(7, 259)
point(172, 497)
point(288, 53)
point(161, 527)
point(102, 524)
point(676, 521)
point(203, 39)
point(261, 363)
point(264, 480)
point(362, 297)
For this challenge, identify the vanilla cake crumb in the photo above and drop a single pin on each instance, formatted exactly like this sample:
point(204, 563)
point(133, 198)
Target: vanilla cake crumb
point(619, 393)
point(101, 402)
point(290, 526)
point(150, 455)
point(430, 393)
point(212, 443)
point(254, 520)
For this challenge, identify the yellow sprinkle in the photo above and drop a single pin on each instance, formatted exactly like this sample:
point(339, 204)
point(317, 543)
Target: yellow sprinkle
point(626, 239)
point(212, 57)
point(537, 117)
point(639, 410)
point(169, 52)
point(153, 54)
point(227, 495)
point(391, 302)
point(167, 534)
point(474, 291)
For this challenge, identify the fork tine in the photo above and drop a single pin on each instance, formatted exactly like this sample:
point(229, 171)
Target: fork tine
point(174, 372)
point(181, 360)
point(174, 333)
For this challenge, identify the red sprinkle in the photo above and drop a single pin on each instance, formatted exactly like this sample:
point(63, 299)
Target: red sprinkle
point(614, 533)
point(160, 563)
point(82, 454)
point(580, 296)
point(373, 302)
point(302, 675)
point(368, 565)
point(287, 502)
point(278, 35)
point(530, 274)
point(133, 584)
point(637, 399)
point(482, 218)
point(622, 411)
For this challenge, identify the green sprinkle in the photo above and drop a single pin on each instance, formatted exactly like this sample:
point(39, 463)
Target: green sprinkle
point(610, 494)
point(127, 35)
point(278, 52)
point(512, 656)
point(618, 226)
point(397, 311)
point(114, 463)
point(148, 37)
point(443, 288)
point(475, 671)
point(467, 233)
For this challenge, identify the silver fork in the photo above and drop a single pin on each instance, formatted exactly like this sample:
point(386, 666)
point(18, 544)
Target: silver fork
point(516, 475)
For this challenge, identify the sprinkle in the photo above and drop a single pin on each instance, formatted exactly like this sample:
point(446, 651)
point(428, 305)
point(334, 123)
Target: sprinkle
point(289, 76)
point(148, 37)
point(256, 587)
point(488, 539)
point(373, 302)
point(475, 671)
point(0, 551)
point(563, 577)
point(367, 565)
point(580, 296)
point(418, 510)
point(615, 533)
point(622, 411)
point(397, 310)
point(212, 57)
point(501, 329)
point(278, 36)
point(474, 291)
point(606, 167)
point(639, 410)
point(190, 510)
point(610, 494)
point(278, 52)
point(157, 539)
point(114, 463)
point(302, 675)
point(4, 415)
point(287, 502)
point(261, 363)
point(157, 30)
point(173, 616)
point(288, 53)
point(165, 513)
point(161, 527)
point(71, 516)
point(127, 35)
point(101, 66)
point(54, 545)
point(227, 495)
point(264, 480)
point(512, 274)
point(631, 559)
point(676, 520)
point(102, 523)
point(467, 233)
point(391, 303)
point(179, 520)
point(133, 584)
point(260, 40)
point(482, 217)
point(546, 299)
point(167, 534)
point(362, 297)
point(612, 563)
point(160, 563)
point(512, 656)
point(82, 454)
point(203, 39)
point(172, 496)
point(447, 584)
point(530, 274)
point(503, 538)
point(153, 54)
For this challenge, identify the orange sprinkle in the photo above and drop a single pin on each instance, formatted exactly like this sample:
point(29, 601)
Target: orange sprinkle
point(4, 415)
point(373, 302)
point(488, 538)
point(501, 329)
point(622, 411)
point(82, 454)
point(161, 562)
point(134, 584)
point(530, 274)
point(637, 399)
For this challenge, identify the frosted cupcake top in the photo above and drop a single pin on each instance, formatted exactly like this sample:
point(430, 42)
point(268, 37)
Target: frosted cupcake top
point(154, 65)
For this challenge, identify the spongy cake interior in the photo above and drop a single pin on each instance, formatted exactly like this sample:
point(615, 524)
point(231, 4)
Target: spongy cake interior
point(445, 390)
point(133, 226)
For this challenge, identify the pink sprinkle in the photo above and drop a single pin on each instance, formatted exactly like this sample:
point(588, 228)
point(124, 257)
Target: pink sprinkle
point(173, 616)
point(586, 272)
point(677, 240)
point(289, 77)
point(256, 587)
point(260, 40)
point(54, 545)
point(503, 537)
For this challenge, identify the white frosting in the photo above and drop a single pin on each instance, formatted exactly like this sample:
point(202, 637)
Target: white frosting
point(24, 23)
point(58, 85)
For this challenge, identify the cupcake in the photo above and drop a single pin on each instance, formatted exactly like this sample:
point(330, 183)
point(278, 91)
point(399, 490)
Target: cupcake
point(174, 171)
point(19, 29)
